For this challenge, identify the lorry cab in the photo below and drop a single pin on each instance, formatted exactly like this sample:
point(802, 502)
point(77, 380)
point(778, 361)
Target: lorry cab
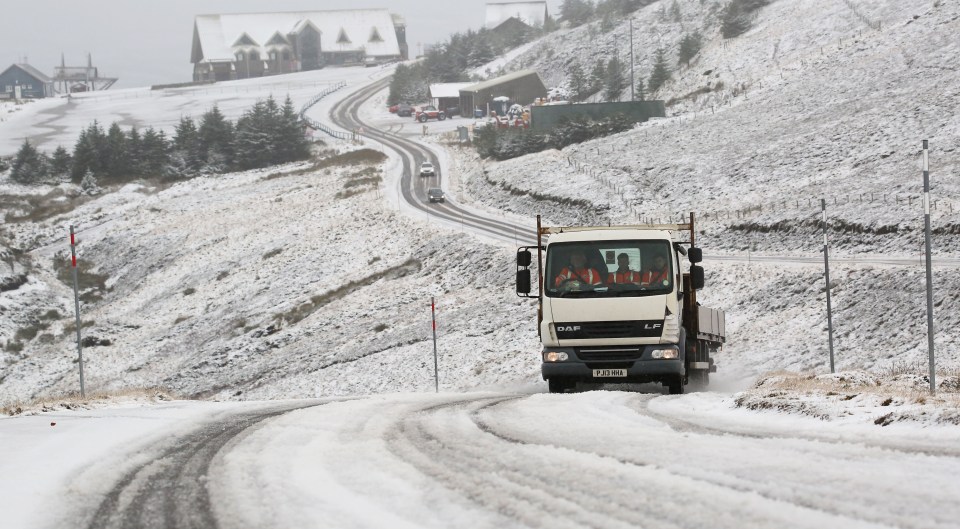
point(616, 306)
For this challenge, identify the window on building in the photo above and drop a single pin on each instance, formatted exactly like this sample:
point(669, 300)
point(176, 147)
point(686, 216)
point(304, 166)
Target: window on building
point(254, 56)
point(375, 36)
point(343, 38)
point(239, 55)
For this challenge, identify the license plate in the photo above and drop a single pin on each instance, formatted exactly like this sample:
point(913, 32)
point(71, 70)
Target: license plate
point(607, 373)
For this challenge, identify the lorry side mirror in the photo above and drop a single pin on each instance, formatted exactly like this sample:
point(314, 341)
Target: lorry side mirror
point(695, 255)
point(523, 281)
point(523, 258)
point(696, 277)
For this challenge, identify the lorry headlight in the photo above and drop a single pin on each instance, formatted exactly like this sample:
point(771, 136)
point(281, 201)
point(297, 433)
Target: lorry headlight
point(554, 356)
point(665, 353)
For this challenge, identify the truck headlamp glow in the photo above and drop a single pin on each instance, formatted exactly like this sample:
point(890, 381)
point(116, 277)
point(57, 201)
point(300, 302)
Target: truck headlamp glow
point(665, 353)
point(554, 356)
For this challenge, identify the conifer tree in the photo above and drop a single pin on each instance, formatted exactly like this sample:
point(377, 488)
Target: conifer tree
point(134, 152)
point(215, 136)
point(29, 165)
point(577, 82)
point(614, 82)
point(154, 153)
point(675, 13)
point(597, 76)
point(576, 12)
point(186, 144)
point(293, 144)
point(690, 46)
point(60, 163)
point(639, 92)
point(661, 71)
point(253, 142)
point(115, 158)
point(88, 152)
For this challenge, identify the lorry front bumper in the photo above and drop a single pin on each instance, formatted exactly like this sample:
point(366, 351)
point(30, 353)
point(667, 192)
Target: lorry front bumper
point(640, 367)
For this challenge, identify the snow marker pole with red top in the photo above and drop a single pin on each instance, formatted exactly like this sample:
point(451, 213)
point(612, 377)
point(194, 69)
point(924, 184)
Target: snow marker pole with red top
point(433, 315)
point(76, 303)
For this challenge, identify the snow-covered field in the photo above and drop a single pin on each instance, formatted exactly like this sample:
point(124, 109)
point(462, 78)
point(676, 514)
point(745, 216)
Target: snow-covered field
point(298, 283)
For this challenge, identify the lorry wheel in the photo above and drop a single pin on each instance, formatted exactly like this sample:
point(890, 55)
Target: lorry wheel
point(675, 386)
point(441, 116)
point(558, 385)
point(423, 118)
point(700, 379)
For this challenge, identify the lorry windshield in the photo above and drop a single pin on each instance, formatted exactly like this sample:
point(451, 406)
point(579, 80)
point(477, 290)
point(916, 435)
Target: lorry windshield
point(609, 269)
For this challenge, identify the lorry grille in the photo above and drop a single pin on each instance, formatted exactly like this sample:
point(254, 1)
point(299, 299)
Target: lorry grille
point(609, 329)
point(592, 354)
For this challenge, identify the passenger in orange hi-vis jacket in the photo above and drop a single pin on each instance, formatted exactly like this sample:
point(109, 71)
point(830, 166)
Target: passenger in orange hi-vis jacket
point(623, 275)
point(658, 274)
point(577, 271)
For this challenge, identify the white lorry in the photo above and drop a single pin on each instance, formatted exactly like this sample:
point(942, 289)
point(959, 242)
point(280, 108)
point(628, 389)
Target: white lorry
point(605, 314)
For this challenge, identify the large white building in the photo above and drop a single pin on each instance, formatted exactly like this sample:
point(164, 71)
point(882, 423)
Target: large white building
point(237, 46)
point(533, 14)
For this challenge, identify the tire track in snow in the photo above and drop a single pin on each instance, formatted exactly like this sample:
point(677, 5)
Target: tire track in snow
point(170, 491)
point(450, 451)
point(740, 488)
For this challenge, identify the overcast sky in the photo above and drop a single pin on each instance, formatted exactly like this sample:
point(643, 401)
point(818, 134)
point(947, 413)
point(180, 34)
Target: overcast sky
point(146, 42)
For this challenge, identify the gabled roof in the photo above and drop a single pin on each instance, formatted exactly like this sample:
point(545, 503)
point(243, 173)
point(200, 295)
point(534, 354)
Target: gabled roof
point(530, 13)
point(31, 71)
point(447, 89)
point(492, 83)
point(278, 40)
point(214, 35)
point(245, 40)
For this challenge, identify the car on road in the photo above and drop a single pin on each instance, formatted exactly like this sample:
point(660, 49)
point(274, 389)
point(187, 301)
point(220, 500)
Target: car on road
point(404, 110)
point(435, 194)
point(427, 169)
point(429, 112)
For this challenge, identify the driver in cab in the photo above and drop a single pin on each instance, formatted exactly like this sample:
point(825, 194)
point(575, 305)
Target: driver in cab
point(577, 273)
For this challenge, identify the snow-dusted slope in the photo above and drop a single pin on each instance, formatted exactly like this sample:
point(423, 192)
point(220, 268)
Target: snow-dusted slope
point(754, 157)
point(203, 272)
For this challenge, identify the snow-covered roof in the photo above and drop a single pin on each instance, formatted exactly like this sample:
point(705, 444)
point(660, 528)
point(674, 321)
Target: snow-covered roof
point(530, 13)
point(500, 80)
point(371, 30)
point(447, 89)
point(33, 72)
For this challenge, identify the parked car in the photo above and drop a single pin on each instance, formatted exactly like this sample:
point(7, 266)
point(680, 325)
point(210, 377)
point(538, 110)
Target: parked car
point(429, 112)
point(402, 109)
point(427, 169)
point(435, 194)
point(452, 111)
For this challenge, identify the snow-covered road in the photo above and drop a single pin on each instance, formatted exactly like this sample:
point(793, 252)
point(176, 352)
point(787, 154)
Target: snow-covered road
point(495, 459)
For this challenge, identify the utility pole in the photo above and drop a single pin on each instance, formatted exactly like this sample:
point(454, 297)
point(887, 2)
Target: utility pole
point(826, 273)
point(76, 304)
point(436, 373)
point(926, 229)
point(632, 81)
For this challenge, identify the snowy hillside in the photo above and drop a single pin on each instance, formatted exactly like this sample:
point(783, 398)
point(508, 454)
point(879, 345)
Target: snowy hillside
point(259, 285)
point(754, 157)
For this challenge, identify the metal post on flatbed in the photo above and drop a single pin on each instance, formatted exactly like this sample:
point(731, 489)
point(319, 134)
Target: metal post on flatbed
point(76, 304)
point(926, 229)
point(826, 273)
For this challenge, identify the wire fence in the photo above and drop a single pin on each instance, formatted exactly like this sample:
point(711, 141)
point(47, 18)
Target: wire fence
point(316, 125)
point(195, 91)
